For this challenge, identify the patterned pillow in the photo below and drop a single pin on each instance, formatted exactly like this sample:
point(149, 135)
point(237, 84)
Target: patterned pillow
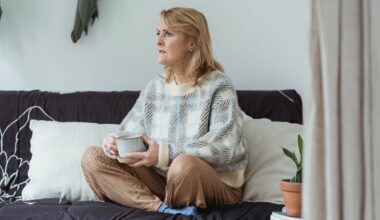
point(12, 159)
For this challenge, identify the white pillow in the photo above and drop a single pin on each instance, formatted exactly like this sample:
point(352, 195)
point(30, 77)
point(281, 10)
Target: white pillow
point(57, 148)
point(267, 164)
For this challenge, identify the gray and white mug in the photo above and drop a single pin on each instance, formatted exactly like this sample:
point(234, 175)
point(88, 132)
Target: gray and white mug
point(128, 144)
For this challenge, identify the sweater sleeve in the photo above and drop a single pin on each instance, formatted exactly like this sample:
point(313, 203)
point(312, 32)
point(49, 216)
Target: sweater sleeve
point(222, 142)
point(134, 120)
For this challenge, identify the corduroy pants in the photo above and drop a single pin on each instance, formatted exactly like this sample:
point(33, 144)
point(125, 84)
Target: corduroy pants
point(189, 181)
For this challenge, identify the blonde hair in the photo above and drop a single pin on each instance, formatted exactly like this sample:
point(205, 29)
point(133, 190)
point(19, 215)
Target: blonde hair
point(194, 25)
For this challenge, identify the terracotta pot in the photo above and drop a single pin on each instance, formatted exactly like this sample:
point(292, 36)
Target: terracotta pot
point(292, 194)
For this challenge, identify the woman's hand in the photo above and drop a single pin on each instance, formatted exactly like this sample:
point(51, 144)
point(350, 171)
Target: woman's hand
point(147, 158)
point(110, 144)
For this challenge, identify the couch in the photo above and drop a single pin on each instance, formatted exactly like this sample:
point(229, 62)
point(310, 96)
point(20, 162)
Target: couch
point(106, 108)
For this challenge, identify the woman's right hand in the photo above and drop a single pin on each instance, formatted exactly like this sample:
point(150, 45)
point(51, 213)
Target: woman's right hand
point(110, 145)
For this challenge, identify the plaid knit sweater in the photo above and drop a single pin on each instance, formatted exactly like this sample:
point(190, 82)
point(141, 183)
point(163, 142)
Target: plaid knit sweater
point(203, 120)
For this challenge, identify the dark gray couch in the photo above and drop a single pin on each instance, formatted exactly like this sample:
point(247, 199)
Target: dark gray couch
point(109, 107)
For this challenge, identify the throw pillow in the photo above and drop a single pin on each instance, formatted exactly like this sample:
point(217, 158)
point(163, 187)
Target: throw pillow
point(57, 148)
point(267, 164)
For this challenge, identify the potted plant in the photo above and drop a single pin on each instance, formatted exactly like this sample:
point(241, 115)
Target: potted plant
point(292, 188)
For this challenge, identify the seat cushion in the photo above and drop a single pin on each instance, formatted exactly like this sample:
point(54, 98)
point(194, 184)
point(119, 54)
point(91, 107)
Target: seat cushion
point(55, 209)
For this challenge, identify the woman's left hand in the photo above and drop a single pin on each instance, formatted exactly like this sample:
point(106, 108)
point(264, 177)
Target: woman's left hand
point(147, 158)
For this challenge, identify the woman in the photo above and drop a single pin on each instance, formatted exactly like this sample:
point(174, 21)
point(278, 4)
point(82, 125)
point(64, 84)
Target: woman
point(190, 119)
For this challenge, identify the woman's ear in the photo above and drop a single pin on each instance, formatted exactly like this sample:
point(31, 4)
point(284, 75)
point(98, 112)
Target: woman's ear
point(191, 47)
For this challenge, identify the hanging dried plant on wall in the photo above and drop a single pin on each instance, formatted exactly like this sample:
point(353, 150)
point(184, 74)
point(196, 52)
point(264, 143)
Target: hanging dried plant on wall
point(86, 10)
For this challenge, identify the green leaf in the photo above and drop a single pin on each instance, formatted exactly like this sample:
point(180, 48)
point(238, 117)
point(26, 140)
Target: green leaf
point(298, 178)
point(291, 155)
point(300, 147)
point(294, 179)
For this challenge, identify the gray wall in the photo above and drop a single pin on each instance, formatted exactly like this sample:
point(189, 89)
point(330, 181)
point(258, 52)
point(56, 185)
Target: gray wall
point(262, 44)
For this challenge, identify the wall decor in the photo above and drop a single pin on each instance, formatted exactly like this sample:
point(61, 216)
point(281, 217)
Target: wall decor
point(87, 10)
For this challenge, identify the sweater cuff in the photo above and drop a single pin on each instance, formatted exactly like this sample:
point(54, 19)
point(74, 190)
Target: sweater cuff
point(163, 155)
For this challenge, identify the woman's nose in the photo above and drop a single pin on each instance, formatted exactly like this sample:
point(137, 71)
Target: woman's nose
point(159, 41)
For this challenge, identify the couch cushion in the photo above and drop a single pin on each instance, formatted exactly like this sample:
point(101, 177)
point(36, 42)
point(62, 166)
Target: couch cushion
point(267, 164)
point(66, 210)
point(57, 149)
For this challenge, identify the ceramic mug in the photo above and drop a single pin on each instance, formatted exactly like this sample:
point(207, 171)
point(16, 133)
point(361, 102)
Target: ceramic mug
point(128, 144)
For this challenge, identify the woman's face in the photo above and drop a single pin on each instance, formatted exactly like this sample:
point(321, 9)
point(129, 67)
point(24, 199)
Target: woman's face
point(173, 47)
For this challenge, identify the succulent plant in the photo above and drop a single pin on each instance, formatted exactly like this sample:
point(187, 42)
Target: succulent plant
point(297, 178)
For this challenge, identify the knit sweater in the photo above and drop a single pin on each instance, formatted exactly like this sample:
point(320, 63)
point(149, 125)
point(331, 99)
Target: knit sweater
point(203, 120)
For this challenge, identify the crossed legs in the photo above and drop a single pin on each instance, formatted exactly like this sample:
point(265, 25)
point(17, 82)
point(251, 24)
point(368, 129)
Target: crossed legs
point(189, 181)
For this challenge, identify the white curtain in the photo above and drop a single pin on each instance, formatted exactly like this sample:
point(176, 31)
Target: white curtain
point(342, 114)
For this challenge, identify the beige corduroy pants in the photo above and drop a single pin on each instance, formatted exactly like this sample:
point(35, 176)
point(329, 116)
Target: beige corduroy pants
point(189, 181)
